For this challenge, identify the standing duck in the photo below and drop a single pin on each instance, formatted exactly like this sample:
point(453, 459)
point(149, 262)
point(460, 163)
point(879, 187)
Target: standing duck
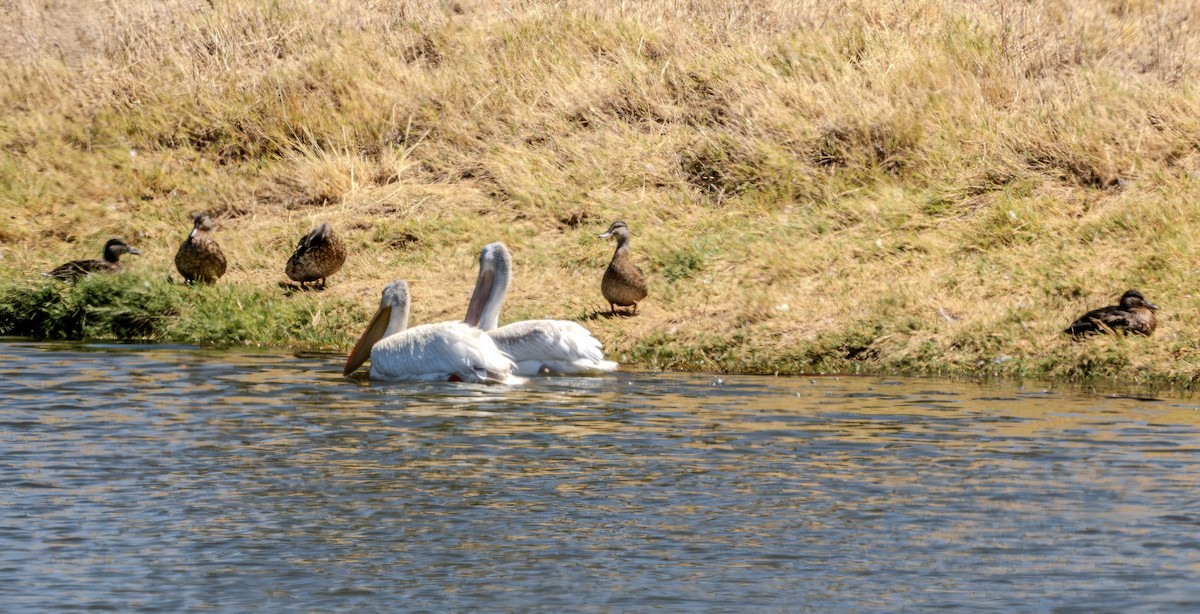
point(537, 346)
point(111, 263)
point(199, 257)
point(1134, 314)
point(444, 351)
point(319, 255)
point(623, 284)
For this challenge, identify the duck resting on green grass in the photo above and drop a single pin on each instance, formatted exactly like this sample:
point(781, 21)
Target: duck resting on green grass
point(1134, 314)
point(111, 263)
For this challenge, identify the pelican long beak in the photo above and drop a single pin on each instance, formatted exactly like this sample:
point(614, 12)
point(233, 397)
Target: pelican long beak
point(374, 332)
point(479, 298)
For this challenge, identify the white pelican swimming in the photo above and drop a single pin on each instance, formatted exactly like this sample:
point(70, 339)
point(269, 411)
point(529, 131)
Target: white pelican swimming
point(446, 351)
point(537, 346)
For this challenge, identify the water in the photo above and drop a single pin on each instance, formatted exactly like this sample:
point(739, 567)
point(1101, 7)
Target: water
point(155, 478)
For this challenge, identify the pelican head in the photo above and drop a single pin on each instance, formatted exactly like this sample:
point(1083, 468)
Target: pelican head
point(495, 271)
point(391, 318)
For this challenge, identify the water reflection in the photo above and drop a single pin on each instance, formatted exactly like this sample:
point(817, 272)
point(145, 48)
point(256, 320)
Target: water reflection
point(175, 478)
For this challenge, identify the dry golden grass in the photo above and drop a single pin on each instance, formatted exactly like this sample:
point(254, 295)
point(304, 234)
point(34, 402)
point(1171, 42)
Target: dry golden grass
point(914, 185)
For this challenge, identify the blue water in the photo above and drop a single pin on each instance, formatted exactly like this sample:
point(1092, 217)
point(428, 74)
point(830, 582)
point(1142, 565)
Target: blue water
point(143, 478)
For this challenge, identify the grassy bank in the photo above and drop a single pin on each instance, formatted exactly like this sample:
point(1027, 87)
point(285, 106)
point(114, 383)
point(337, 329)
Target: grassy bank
point(130, 307)
point(932, 186)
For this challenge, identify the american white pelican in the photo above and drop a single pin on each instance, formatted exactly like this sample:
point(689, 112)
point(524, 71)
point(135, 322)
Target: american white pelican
point(537, 346)
point(445, 351)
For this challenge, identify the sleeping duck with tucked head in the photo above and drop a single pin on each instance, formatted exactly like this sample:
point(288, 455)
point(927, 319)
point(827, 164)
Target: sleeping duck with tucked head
point(1133, 315)
point(111, 263)
point(319, 255)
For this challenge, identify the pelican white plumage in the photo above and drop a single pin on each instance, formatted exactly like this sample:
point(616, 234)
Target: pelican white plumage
point(445, 351)
point(537, 346)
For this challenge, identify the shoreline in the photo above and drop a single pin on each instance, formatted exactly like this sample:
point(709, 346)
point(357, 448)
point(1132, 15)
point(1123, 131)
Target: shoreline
point(1092, 385)
point(126, 308)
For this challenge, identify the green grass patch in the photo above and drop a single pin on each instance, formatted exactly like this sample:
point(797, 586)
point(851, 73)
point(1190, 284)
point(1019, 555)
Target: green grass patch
point(129, 307)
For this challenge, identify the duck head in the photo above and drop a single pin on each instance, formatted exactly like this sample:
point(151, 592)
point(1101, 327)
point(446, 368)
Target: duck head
point(619, 230)
point(318, 235)
point(115, 247)
point(200, 223)
point(1133, 299)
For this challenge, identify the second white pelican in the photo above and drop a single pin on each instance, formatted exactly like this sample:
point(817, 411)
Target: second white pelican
point(537, 346)
point(445, 351)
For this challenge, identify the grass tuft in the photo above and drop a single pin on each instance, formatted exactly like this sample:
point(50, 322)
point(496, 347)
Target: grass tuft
point(106, 307)
point(128, 307)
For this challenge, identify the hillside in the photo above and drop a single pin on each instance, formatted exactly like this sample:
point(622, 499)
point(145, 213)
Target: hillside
point(934, 186)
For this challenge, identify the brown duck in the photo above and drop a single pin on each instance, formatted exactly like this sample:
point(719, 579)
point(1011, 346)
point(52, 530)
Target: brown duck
point(319, 255)
point(199, 257)
point(623, 284)
point(1134, 315)
point(111, 263)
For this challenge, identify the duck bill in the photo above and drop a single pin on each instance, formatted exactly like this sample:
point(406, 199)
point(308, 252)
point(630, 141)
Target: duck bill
point(1152, 306)
point(479, 298)
point(135, 251)
point(374, 332)
point(604, 235)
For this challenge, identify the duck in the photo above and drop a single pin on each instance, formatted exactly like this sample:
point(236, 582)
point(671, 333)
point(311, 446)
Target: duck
point(538, 347)
point(623, 284)
point(111, 263)
point(199, 257)
point(1133, 315)
point(319, 255)
point(444, 351)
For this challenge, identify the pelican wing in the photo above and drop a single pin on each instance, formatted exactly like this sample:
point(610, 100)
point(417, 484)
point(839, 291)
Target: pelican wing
point(438, 352)
point(557, 346)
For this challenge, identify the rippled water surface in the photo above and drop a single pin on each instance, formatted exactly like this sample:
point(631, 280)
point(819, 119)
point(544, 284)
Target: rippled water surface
point(154, 478)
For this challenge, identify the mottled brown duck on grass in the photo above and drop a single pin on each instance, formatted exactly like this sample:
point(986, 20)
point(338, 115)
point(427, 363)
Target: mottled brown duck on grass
point(199, 257)
point(111, 263)
point(319, 255)
point(623, 284)
point(1133, 315)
